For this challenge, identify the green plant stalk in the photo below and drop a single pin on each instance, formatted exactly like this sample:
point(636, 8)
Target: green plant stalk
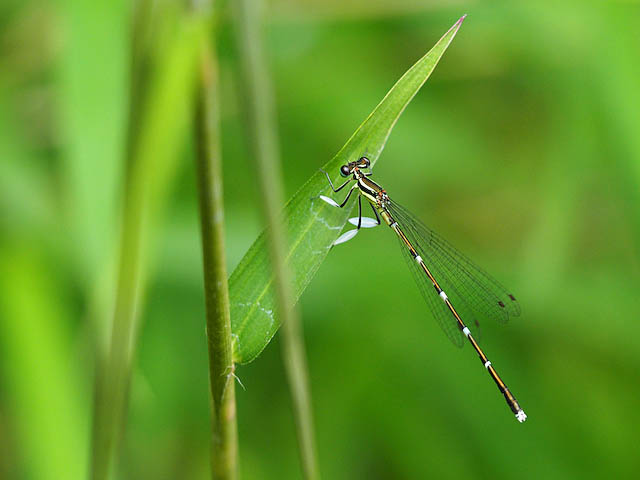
point(224, 438)
point(264, 141)
point(111, 370)
point(153, 161)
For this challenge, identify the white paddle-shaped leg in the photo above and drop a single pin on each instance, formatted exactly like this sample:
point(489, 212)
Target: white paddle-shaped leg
point(330, 201)
point(360, 222)
point(365, 223)
point(346, 236)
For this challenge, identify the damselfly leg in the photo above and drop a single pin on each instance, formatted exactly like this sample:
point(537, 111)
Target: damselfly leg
point(331, 183)
point(359, 221)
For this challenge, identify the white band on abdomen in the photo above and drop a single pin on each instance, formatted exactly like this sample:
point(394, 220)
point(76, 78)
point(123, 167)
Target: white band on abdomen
point(466, 331)
point(487, 364)
point(418, 259)
point(443, 296)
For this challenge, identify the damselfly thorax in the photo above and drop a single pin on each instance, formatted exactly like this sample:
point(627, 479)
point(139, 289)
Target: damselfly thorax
point(374, 193)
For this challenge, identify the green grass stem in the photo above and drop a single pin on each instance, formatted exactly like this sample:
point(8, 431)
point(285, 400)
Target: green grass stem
point(259, 102)
point(153, 140)
point(224, 442)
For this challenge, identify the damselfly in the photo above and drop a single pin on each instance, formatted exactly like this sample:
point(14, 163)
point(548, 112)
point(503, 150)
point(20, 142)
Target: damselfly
point(436, 266)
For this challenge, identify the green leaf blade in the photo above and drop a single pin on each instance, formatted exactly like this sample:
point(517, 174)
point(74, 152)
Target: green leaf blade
point(312, 226)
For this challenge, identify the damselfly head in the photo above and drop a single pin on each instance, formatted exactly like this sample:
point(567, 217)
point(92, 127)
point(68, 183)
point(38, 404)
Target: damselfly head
point(362, 162)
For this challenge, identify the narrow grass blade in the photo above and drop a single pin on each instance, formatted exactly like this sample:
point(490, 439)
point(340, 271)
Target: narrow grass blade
point(264, 139)
point(224, 432)
point(93, 143)
point(157, 136)
point(40, 374)
point(311, 225)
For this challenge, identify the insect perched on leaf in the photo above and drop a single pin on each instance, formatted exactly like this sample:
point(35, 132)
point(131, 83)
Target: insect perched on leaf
point(435, 265)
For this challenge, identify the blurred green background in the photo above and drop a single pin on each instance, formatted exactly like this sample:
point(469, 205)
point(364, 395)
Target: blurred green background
point(522, 149)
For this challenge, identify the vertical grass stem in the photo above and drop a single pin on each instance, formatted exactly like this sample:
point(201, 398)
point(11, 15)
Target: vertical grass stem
point(224, 448)
point(265, 153)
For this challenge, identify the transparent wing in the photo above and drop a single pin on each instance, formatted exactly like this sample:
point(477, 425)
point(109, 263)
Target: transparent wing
point(438, 308)
point(467, 285)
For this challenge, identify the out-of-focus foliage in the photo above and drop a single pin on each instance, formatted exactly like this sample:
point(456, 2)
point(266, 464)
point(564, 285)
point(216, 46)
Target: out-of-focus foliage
point(523, 152)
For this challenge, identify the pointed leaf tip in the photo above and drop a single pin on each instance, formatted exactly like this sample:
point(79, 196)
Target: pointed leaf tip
point(454, 29)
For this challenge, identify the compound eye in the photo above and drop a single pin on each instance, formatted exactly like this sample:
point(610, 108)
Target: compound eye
point(345, 170)
point(365, 162)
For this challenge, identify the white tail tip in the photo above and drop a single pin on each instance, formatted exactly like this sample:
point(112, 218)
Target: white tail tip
point(366, 222)
point(345, 237)
point(521, 416)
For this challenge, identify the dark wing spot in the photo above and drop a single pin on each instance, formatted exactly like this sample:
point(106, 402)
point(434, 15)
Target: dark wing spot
point(512, 297)
point(501, 304)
